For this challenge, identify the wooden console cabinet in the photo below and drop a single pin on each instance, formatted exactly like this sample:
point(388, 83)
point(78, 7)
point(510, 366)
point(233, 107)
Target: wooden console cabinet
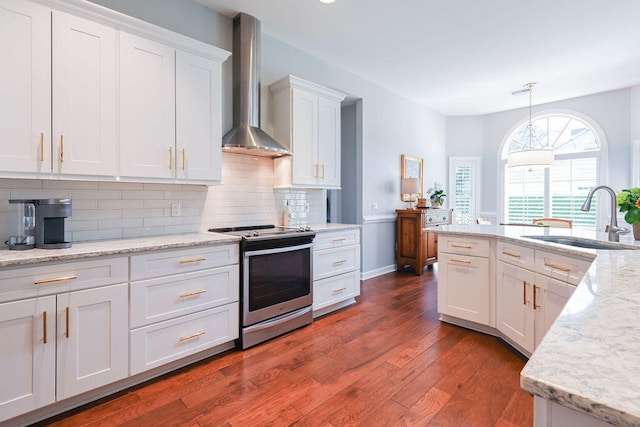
point(416, 237)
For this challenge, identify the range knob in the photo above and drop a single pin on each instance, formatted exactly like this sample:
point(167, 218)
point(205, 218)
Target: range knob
point(255, 234)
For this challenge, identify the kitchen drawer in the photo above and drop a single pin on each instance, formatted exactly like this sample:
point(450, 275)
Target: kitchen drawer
point(27, 282)
point(158, 299)
point(163, 342)
point(561, 267)
point(336, 239)
point(335, 289)
point(521, 256)
point(463, 245)
point(331, 262)
point(160, 264)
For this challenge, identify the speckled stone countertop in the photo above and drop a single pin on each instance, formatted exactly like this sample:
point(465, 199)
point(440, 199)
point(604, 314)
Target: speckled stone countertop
point(113, 247)
point(589, 360)
point(98, 248)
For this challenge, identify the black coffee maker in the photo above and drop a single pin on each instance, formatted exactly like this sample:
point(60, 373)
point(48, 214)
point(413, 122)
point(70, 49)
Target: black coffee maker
point(50, 216)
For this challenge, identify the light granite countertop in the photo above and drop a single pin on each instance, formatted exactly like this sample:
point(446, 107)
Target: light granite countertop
point(589, 360)
point(98, 248)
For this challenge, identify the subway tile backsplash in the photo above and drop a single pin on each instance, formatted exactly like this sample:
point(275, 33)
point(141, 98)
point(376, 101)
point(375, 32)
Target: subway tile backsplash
point(113, 210)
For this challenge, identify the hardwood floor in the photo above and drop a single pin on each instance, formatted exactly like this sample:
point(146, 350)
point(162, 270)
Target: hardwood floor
point(385, 361)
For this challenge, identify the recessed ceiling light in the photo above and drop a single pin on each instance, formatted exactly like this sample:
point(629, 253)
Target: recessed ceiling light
point(327, 1)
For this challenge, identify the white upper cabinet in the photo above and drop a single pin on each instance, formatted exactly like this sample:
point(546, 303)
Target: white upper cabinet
point(25, 85)
point(84, 97)
point(307, 120)
point(147, 108)
point(89, 99)
point(198, 118)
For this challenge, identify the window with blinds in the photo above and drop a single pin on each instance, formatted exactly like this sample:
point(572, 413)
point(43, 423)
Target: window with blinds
point(464, 182)
point(559, 190)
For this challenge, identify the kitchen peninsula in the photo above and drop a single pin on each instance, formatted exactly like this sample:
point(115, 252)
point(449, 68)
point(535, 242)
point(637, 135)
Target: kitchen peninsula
point(585, 370)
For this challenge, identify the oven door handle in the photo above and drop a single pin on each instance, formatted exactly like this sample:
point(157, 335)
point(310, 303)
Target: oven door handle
point(278, 320)
point(278, 250)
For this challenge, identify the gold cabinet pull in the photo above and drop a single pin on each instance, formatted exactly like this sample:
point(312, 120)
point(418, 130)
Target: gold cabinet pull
point(192, 336)
point(61, 148)
point(322, 171)
point(339, 261)
point(465, 261)
point(67, 322)
point(57, 279)
point(339, 239)
point(184, 159)
point(315, 174)
point(557, 267)
point(535, 297)
point(335, 291)
point(524, 292)
point(511, 254)
point(170, 158)
point(44, 326)
point(41, 146)
point(455, 245)
point(194, 293)
point(189, 261)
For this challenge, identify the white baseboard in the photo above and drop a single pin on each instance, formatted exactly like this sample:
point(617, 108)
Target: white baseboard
point(377, 272)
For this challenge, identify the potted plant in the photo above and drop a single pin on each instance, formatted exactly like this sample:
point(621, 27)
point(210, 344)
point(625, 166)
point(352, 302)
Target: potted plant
point(628, 201)
point(436, 195)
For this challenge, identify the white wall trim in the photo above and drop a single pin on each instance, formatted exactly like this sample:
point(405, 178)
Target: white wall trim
point(377, 219)
point(365, 275)
point(635, 164)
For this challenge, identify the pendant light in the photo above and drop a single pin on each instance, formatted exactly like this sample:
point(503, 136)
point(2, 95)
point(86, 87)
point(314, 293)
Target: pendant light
point(530, 158)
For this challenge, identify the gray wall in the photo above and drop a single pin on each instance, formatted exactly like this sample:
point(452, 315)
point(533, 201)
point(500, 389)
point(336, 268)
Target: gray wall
point(391, 124)
point(484, 135)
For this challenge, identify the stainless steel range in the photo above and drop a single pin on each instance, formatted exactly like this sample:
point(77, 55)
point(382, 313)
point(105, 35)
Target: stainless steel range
point(276, 282)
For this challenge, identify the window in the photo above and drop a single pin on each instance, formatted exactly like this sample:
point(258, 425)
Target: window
point(464, 186)
point(560, 190)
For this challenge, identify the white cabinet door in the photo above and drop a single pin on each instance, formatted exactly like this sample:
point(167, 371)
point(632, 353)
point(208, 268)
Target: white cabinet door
point(551, 297)
point(305, 137)
point(514, 305)
point(198, 118)
point(463, 287)
point(27, 334)
point(84, 97)
point(92, 339)
point(147, 108)
point(329, 143)
point(25, 85)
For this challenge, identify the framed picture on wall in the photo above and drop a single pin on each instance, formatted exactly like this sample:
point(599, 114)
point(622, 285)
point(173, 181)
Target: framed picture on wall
point(411, 168)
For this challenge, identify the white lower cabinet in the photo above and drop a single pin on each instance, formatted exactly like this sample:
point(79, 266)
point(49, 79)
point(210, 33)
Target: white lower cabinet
point(163, 342)
point(528, 302)
point(27, 332)
point(336, 270)
point(464, 286)
point(515, 316)
point(91, 339)
point(66, 341)
point(182, 302)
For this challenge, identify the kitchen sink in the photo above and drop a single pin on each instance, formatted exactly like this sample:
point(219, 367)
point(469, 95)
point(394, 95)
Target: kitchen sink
point(582, 243)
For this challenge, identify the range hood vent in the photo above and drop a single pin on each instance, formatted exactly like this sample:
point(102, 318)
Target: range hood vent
point(246, 137)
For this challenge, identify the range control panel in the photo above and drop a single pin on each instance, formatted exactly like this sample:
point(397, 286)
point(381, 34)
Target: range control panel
point(435, 217)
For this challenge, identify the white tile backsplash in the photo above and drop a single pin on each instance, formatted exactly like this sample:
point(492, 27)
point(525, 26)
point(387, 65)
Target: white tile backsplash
point(112, 210)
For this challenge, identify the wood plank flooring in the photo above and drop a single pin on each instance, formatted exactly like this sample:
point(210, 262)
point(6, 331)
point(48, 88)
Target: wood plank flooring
point(386, 361)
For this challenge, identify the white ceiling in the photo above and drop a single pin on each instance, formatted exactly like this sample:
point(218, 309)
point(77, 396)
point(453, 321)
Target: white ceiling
point(464, 57)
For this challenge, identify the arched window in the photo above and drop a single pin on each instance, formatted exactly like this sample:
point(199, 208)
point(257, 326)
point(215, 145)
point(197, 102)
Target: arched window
point(560, 190)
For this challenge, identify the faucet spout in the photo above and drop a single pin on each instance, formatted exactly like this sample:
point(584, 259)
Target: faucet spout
point(614, 230)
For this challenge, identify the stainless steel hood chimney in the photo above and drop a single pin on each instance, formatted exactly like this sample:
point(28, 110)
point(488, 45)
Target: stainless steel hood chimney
point(246, 137)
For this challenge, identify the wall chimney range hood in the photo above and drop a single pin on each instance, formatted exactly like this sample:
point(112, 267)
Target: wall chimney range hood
point(246, 137)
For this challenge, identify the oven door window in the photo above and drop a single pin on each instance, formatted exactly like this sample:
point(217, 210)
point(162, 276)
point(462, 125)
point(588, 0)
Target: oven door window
point(278, 277)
